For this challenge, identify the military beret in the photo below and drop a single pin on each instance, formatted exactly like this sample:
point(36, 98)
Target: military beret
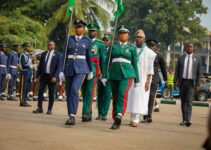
point(2, 45)
point(79, 22)
point(93, 26)
point(15, 44)
point(151, 42)
point(123, 28)
point(26, 44)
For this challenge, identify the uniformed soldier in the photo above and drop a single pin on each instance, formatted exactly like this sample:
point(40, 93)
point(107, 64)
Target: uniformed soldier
point(77, 64)
point(12, 70)
point(3, 69)
point(159, 63)
point(122, 70)
point(25, 74)
point(98, 66)
point(104, 92)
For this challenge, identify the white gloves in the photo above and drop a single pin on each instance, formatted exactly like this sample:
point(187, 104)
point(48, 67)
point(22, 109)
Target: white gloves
point(33, 66)
point(136, 85)
point(90, 76)
point(8, 76)
point(104, 81)
point(61, 76)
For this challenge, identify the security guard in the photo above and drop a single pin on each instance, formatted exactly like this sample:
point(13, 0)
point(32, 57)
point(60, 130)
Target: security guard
point(98, 66)
point(3, 69)
point(123, 69)
point(77, 64)
point(25, 74)
point(159, 63)
point(12, 70)
point(104, 92)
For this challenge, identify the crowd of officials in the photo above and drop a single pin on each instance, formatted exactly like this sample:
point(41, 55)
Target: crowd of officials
point(125, 72)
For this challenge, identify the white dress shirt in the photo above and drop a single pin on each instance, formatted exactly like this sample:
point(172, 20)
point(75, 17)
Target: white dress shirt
point(50, 53)
point(78, 37)
point(190, 75)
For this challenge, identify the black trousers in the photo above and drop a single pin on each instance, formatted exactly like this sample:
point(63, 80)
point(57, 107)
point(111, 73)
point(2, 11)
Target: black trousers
point(153, 90)
point(46, 80)
point(187, 95)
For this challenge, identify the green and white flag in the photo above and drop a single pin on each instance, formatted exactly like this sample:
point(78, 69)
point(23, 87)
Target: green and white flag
point(119, 8)
point(70, 6)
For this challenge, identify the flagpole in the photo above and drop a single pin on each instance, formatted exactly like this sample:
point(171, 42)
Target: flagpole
point(112, 43)
point(66, 46)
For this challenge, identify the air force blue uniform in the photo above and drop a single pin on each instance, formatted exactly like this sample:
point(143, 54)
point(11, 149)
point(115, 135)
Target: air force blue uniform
point(25, 76)
point(3, 71)
point(77, 65)
point(12, 70)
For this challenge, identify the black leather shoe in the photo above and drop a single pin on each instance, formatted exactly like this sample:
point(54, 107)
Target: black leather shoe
point(115, 127)
point(188, 124)
point(118, 120)
point(183, 123)
point(70, 121)
point(104, 118)
point(37, 111)
point(98, 118)
point(85, 118)
point(147, 120)
point(25, 105)
point(49, 112)
point(156, 110)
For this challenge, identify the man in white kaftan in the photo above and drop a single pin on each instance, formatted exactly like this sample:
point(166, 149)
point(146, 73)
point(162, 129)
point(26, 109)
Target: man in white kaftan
point(138, 96)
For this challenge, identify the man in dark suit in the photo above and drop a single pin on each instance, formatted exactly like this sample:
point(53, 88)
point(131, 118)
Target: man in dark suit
point(187, 78)
point(48, 74)
point(159, 63)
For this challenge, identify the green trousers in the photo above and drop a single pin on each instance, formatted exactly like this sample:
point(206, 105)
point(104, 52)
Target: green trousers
point(120, 89)
point(88, 93)
point(104, 98)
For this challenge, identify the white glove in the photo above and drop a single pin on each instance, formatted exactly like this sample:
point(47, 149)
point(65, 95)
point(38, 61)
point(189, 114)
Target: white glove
point(90, 76)
point(32, 66)
point(136, 85)
point(8, 76)
point(61, 76)
point(104, 81)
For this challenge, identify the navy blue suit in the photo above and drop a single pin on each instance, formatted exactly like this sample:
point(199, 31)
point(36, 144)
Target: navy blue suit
point(3, 71)
point(12, 70)
point(77, 65)
point(45, 77)
point(25, 76)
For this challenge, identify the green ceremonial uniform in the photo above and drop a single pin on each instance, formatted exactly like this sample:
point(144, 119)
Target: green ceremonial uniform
point(104, 96)
point(123, 68)
point(98, 67)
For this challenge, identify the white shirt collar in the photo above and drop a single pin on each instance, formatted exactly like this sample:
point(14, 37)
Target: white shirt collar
point(51, 51)
point(76, 37)
point(26, 52)
point(93, 39)
point(125, 43)
point(189, 55)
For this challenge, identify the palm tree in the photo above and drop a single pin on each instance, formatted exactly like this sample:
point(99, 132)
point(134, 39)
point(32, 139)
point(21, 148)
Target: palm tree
point(87, 10)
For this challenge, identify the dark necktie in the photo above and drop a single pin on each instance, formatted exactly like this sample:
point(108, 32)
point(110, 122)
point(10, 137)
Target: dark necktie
point(187, 70)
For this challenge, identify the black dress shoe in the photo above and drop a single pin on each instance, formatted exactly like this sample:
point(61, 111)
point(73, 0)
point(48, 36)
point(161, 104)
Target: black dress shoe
point(156, 110)
point(188, 124)
point(104, 118)
point(85, 118)
point(98, 118)
point(183, 123)
point(118, 120)
point(115, 127)
point(25, 105)
point(49, 112)
point(37, 111)
point(70, 121)
point(147, 120)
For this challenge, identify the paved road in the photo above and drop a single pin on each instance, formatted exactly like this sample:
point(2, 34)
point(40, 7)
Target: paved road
point(22, 130)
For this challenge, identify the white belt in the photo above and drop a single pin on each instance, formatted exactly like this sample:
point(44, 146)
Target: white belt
point(14, 67)
point(3, 66)
point(120, 60)
point(77, 56)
